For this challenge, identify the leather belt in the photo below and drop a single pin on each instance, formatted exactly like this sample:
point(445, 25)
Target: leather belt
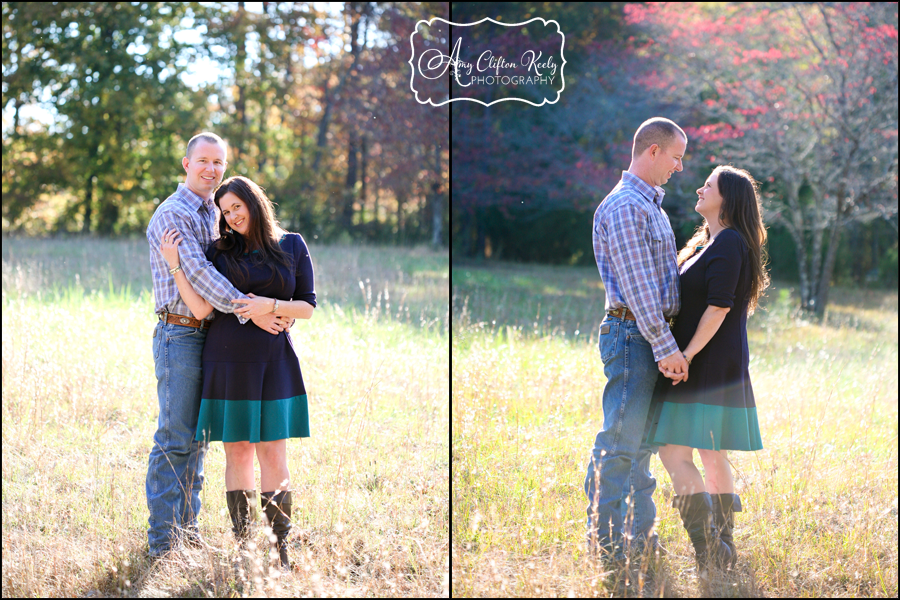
point(186, 321)
point(624, 313)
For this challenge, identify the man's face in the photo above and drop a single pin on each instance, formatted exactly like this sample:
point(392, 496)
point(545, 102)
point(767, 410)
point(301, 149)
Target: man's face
point(669, 160)
point(205, 168)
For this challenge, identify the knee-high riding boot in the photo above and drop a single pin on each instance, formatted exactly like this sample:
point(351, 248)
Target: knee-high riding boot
point(242, 508)
point(724, 507)
point(278, 512)
point(697, 516)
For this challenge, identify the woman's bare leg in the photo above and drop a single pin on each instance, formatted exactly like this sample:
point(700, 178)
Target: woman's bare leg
point(718, 471)
point(239, 466)
point(273, 465)
point(679, 462)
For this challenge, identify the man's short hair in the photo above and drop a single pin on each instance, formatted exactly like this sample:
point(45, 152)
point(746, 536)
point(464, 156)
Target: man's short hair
point(206, 136)
point(659, 131)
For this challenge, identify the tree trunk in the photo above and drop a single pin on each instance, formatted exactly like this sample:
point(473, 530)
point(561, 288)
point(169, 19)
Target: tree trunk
point(239, 77)
point(362, 180)
point(822, 297)
point(818, 222)
point(437, 211)
point(88, 204)
point(479, 236)
point(349, 185)
point(401, 224)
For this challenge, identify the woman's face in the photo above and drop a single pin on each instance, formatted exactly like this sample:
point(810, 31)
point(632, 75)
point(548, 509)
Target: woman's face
point(709, 201)
point(236, 213)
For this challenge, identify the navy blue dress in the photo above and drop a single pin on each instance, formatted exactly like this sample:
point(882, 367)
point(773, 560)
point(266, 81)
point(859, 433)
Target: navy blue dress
point(252, 387)
point(715, 408)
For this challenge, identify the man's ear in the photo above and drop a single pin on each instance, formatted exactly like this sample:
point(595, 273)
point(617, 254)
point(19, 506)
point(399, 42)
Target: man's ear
point(184, 163)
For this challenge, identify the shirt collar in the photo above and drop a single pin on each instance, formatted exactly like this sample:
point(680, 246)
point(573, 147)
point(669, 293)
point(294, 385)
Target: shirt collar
point(193, 199)
point(654, 194)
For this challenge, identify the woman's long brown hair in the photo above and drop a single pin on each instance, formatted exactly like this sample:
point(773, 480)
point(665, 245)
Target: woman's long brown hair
point(263, 235)
point(741, 211)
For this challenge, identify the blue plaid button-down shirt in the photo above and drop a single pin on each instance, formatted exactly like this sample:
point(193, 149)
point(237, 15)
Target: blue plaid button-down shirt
point(635, 251)
point(196, 220)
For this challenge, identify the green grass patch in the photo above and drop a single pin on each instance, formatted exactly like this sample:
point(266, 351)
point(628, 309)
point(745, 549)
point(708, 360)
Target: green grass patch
point(371, 485)
point(820, 501)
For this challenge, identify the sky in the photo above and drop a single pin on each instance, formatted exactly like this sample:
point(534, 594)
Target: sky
point(202, 71)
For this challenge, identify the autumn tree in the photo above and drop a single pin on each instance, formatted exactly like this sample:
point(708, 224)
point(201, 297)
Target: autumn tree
point(802, 95)
point(111, 139)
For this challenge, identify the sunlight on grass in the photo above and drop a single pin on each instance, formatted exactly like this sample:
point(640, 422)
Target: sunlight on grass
point(371, 486)
point(820, 501)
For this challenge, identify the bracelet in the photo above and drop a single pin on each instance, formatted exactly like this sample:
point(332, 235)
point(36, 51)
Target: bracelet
point(686, 358)
point(275, 306)
point(175, 270)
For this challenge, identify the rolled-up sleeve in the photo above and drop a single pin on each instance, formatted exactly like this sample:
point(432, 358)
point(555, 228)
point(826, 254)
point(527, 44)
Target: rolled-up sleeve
point(723, 268)
point(632, 263)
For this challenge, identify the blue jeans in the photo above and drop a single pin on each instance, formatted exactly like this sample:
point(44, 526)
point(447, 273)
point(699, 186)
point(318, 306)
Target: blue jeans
point(618, 484)
point(175, 474)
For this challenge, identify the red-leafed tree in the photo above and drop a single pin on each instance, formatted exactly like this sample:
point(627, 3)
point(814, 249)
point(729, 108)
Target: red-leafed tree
point(804, 96)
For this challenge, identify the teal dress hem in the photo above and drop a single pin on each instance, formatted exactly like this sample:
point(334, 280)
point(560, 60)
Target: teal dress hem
point(695, 426)
point(252, 420)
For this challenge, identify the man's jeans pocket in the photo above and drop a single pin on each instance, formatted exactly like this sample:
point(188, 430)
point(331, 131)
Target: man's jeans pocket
point(609, 335)
point(634, 336)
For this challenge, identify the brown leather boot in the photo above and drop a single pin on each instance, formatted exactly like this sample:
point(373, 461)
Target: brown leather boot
point(724, 507)
point(242, 507)
point(697, 516)
point(278, 513)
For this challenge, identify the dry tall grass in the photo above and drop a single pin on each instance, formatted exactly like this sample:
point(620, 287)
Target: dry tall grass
point(371, 489)
point(820, 502)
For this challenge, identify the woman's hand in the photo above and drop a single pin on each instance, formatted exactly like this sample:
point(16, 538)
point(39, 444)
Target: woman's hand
point(169, 247)
point(254, 306)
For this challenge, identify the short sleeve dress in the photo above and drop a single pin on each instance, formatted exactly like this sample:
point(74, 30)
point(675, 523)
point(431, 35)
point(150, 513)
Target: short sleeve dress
point(252, 386)
point(715, 408)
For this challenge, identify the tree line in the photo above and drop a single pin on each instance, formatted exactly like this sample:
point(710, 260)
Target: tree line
point(341, 146)
point(804, 96)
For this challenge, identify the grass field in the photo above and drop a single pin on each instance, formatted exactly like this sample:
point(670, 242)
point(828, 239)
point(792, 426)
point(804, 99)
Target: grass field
point(820, 501)
point(371, 486)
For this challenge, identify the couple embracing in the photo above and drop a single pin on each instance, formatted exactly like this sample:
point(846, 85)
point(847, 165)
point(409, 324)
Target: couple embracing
point(228, 283)
point(673, 384)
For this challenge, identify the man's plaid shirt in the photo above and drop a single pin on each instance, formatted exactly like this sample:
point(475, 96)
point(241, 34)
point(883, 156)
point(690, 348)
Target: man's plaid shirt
point(196, 220)
point(635, 251)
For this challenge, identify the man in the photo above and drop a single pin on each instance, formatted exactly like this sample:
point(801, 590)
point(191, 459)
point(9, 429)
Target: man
point(175, 474)
point(635, 251)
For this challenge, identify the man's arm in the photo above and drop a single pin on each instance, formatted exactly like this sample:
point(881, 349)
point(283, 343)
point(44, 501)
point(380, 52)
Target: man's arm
point(203, 276)
point(632, 263)
point(200, 308)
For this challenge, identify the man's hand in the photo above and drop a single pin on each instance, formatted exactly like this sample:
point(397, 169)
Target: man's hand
point(269, 322)
point(253, 306)
point(674, 367)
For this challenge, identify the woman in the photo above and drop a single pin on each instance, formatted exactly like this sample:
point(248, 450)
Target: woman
point(722, 272)
point(253, 394)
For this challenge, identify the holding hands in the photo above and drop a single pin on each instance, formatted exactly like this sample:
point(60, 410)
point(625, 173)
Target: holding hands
point(255, 306)
point(675, 367)
point(259, 310)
